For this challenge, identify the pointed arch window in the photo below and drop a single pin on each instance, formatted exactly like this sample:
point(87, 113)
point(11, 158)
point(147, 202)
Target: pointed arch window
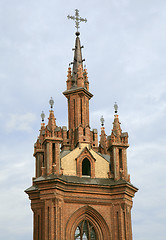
point(86, 167)
point(85, 231)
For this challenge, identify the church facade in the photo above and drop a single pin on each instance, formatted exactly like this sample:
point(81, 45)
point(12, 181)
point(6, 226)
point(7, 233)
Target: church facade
point(82, 189)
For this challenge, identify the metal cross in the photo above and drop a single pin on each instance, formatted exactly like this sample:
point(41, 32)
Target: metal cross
point(77, 19)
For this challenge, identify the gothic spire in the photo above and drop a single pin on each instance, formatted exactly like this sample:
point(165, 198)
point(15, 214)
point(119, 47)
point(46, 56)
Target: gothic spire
point(77, 59)
point(77, 50)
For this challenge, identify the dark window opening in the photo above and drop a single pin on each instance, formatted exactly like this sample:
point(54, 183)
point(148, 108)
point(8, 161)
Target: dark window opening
point(85, 231)
point(86, 168)
point(110, 167)
point(40, 165)
point(111, 161)
point(81, 110)
point(120, 159)
point(84, 131)
point(93, 136)
point(42, 160)
point(53, 152)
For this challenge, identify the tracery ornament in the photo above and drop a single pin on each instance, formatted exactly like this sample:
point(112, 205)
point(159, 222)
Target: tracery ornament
point(85, 231)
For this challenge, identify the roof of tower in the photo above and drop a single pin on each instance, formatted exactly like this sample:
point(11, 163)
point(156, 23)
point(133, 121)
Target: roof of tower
point(77, 59)
point(78, 180)
point(77, 50)
point(51, 121)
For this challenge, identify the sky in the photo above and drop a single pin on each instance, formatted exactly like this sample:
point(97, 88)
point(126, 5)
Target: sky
point(125, 52)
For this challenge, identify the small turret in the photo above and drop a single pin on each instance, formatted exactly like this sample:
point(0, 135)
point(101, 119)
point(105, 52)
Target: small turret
point(38, 148)
point(103, 139)
point(118, 144)
point(47, 147)
point(69, 79)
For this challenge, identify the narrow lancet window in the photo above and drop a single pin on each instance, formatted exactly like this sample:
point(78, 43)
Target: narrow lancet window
point(42, 160)
point(93, 136)
point(86, 167)
point(84, 131)
point(120, 159)
point(53, 152)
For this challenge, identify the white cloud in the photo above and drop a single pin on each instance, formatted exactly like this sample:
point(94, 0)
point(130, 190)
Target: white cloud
point(15, 176)
point(20, 122)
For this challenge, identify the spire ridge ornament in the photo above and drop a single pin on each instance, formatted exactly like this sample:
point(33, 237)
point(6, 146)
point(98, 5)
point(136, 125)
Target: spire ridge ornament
point(42, 116)
point(51, 102)
point(77, 19)
point(116, 107)
point(102, 120)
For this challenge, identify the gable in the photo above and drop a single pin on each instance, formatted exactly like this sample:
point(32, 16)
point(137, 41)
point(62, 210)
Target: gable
point(69, 161)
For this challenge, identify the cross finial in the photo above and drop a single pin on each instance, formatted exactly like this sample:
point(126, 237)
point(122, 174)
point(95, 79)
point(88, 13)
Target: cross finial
point(77, 19)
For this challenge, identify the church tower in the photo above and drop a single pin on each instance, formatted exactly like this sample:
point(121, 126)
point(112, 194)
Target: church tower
point(81, 189)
